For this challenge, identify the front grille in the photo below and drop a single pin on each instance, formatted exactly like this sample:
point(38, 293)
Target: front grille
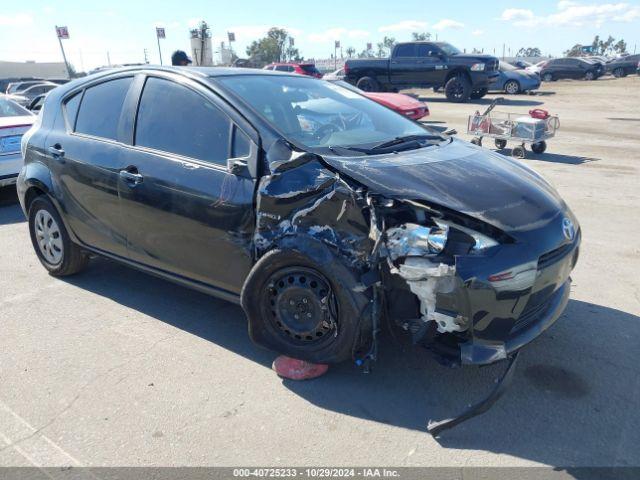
point(536, 307)
point(554, 256)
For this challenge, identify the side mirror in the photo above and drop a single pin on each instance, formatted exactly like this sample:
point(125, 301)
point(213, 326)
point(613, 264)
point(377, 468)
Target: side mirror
point(238, 166)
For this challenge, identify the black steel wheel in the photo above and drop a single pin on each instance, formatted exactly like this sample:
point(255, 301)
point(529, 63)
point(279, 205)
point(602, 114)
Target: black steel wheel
point(519, 152)
point(500, 143)
point(300, 305)
point(539, 147)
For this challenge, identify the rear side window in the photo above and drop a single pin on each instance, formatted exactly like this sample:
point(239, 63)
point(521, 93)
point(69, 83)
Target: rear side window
point(283, 68)
point(71, 109)
point(101, 107)
point(175, 119)
point(406, 50)
point(310, 69)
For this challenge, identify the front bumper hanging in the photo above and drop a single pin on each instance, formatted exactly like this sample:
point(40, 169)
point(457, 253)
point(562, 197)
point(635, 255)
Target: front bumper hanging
point(435, 428)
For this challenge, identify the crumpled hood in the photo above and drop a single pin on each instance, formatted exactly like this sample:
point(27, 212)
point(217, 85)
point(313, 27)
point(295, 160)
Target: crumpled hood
point(463, 177)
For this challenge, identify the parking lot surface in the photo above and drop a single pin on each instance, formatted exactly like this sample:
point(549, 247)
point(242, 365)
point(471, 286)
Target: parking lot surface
point(115, 367)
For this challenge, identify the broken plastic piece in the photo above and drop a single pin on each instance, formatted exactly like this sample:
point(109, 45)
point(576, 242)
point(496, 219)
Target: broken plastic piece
point(295, 369)
point(435, 428)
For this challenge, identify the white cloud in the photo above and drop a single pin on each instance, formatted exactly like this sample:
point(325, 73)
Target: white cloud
point(477, 33)
point(404, 26)
point(447, 23)
point(16, 20)
point(574, 14)
point(337, 33)
point(254, 32)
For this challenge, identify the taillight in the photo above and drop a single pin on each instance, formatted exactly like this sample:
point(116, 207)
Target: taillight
point(346, 68)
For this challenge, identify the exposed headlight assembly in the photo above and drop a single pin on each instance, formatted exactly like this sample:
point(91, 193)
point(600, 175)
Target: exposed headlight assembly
point(477, 67)
point(482, 242)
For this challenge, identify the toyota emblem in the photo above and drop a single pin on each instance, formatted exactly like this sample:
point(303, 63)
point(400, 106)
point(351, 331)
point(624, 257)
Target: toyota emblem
point(568, 229)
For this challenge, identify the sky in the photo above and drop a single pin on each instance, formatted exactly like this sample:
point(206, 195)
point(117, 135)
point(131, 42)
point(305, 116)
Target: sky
point(121, 30)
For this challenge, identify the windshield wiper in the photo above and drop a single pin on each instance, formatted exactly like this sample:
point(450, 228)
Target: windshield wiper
point(405, 139)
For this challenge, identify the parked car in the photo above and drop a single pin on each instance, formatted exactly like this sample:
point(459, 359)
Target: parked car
point(399, 102)
point(37, 103)
point(520, 64)
point(299, 68)
point(514, 80)
point(14, 122)
point(558, 68)
point(426, 64)
point(623, 66)
point(26, 96)
point(15, 87)
point(334, 76)
point(536, 68)
point(323, 223)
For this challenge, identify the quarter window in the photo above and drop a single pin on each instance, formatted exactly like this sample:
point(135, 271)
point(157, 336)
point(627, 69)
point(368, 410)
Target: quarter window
point(101, 107)
point(71, 107)
point(175, 119)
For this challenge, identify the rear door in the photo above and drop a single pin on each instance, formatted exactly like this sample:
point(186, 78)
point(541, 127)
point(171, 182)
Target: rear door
point(186, 212)
point(84, 152)
point(403, 64)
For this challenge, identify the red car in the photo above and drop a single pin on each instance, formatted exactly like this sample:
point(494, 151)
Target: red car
point(404, 104)
point(308, 69)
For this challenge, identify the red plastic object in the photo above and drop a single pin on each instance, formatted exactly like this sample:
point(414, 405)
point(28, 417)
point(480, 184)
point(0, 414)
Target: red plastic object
point(295, 369)
point(539, 113)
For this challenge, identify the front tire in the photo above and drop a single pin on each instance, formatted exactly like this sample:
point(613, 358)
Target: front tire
point(51, 241)
point(458, 89)
point(590, 76)
point(477, 94)
point(547, 77)
point(303, 307)
point(539, 147)
point(512, 87)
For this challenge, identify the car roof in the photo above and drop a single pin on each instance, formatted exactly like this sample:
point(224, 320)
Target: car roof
point(202, 72)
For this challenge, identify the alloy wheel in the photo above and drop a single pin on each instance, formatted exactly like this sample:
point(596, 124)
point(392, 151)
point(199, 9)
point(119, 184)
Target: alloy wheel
point(48, 237)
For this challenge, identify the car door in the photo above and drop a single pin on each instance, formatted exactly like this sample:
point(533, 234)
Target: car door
point(403, 64)
point(187, 213)
point(432, 69)
point(577, 68)
point(85, 156)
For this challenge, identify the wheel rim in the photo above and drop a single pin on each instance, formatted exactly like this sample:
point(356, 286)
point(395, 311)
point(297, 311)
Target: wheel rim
point(302, 305)
point(457, 90)
point(512, 87)
point(48, 237)
point(548, 78)
point(365, 86)
point(589, 76)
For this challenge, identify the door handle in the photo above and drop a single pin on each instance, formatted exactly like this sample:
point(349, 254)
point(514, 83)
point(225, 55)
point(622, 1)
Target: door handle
point(56, 151)
point(133, 178)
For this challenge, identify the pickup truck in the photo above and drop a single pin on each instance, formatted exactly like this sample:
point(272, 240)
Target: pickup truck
point(426, 64)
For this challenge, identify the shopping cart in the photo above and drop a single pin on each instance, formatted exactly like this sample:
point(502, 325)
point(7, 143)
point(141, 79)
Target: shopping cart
point(534, 128)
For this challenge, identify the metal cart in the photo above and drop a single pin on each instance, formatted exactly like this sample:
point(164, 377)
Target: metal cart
point(517, 127)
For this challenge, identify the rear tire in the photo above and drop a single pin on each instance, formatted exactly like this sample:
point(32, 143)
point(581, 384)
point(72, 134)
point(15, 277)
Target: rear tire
point(539, 147)
point(500, 143)
point(51, 241)
point(519, 152)
point(368, 84)
point(512, 87)
point(458, 89)
point(547, 77)
point(590, 75)
point(619, 72)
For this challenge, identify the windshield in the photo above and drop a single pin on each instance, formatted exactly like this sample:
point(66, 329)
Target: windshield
point(507, 67)
point(12, 109)
point(320, 114)
point(449, 49)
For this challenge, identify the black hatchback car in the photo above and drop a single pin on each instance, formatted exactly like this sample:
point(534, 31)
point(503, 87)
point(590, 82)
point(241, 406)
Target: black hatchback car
point(321, 212)
point(623, 66)
point(576, 68)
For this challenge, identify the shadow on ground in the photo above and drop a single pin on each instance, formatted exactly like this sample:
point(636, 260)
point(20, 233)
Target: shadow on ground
point(520, 101)
point(10, 211)
point(572, 401)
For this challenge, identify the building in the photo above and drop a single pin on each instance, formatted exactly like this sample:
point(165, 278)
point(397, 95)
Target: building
point(33, 69)
point(201, 51)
